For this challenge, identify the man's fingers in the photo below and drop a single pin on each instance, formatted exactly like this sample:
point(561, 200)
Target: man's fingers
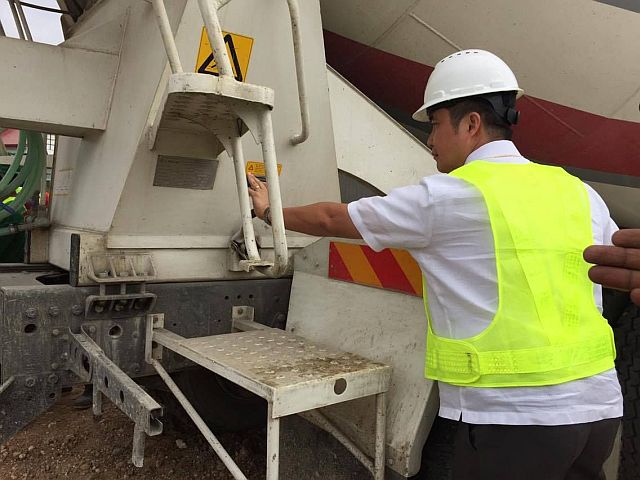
point(255, 182)
point(613, 256)
point(613, 277)
point(629, 238)
point(635, 296)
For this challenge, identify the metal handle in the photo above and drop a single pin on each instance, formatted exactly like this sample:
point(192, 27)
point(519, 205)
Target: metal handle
point(167, 36)
point(281, 257)
point(214, 32)
point(294, 14)
point(243, 195)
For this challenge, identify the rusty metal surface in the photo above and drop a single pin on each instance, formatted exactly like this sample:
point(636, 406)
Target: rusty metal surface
point(89, 362)
point(23, 398)
point(35, 337)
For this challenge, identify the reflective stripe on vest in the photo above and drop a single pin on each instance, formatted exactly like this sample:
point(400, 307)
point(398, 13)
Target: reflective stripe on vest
point(547, 328)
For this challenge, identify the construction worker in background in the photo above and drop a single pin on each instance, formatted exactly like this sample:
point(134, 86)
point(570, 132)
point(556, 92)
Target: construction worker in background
point(515, 335)
point(618, 265)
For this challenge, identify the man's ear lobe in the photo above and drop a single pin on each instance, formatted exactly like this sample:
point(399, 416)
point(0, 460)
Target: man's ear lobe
point(474, 121)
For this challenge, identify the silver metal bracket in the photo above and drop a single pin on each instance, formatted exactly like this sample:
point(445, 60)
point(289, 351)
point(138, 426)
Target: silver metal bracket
point(90, 363)
point(118, 268)
point(122, 296)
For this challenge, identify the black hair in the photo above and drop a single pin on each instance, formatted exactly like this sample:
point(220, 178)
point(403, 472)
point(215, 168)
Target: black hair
point(498, 125)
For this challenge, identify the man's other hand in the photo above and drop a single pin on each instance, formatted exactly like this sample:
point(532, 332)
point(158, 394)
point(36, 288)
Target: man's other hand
point(617, 266)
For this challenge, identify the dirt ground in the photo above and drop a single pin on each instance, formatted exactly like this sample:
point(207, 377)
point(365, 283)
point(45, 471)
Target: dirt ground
point(65, 443)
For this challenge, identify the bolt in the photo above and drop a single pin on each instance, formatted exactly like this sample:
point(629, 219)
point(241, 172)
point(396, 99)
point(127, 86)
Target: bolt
point(54, 311)
point(77, 309)
point(30, 382)
point(53, 379)
point(64, 356)
point(135, 368)
point(98, 307)
point(31, 312)
point(55, 332)
point(92, 329)
point(119, 306)
point(135, 335)
point(240, 311)
point(55, 366)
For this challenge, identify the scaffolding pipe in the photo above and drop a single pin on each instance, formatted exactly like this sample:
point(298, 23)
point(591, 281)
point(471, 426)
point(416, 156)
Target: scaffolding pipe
point(167, 36)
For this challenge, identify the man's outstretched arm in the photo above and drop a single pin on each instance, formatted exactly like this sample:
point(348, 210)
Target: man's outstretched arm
point(617, 266)
point(325, 219)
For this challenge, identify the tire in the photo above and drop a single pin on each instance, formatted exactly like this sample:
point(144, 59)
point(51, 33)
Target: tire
point(627, 336)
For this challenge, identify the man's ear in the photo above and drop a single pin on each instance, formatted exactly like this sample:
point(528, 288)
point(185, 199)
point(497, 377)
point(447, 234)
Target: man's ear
point(474, 123)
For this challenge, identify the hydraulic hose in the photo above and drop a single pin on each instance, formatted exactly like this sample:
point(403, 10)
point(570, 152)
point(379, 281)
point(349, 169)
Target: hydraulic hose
point(28, 177)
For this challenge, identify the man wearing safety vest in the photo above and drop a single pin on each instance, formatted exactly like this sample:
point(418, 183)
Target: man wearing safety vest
point(515, 335)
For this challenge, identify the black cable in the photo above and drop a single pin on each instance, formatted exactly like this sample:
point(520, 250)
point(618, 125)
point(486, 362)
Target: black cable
point(46, 9)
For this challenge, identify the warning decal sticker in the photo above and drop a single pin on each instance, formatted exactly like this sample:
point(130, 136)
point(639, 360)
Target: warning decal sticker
point(239, 51)
point(257, 168)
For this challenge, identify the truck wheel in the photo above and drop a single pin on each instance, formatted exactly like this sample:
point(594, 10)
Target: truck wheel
point(627, 335)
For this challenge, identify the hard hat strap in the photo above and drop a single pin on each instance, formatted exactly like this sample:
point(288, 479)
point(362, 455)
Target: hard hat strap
point(504, 104)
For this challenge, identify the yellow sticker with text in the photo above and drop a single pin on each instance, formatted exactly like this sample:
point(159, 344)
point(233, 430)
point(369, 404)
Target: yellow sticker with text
point(239, 51)
point(257, 168)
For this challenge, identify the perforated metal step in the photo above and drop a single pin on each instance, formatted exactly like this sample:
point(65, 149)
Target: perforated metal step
point(291, 373)
point(198, 106)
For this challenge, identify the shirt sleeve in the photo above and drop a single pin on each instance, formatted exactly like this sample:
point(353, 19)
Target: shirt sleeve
point(603, 224)
point(402, 219)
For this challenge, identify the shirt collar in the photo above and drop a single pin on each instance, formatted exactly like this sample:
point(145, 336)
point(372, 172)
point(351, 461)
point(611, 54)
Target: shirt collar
point(499, 151)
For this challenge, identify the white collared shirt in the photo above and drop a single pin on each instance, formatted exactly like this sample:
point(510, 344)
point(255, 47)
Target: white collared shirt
point(444, 224)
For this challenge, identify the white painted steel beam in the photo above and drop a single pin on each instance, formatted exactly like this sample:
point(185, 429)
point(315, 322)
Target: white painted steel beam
point(54, 89)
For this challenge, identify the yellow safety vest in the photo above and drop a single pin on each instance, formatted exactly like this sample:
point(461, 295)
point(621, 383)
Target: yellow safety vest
point(547, 328)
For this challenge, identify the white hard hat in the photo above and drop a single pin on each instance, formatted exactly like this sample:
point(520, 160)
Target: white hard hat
point(465, 74)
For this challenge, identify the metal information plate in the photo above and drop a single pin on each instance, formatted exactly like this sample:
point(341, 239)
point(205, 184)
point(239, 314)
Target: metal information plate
point(183, 172)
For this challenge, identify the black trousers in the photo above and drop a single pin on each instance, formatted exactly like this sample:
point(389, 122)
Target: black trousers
point(532, 452)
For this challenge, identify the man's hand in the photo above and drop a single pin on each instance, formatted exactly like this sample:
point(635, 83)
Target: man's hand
point(617, 266)
point(324, 219)
point(259, 193)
